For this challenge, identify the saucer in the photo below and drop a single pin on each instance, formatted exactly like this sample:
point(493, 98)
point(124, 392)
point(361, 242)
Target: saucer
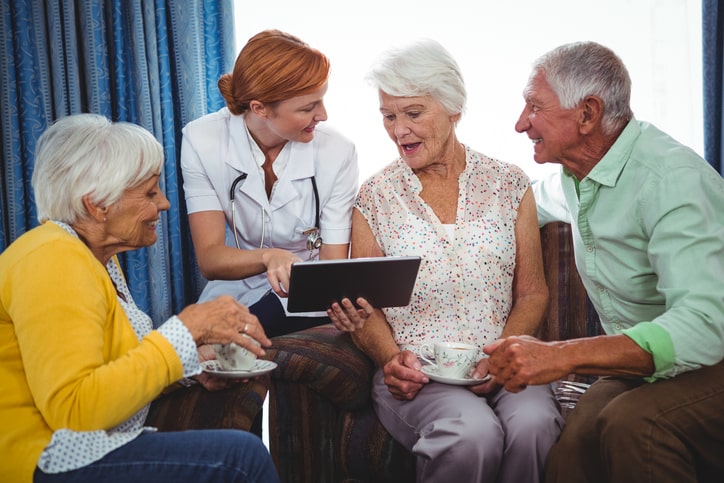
point(260, 367)
point(431, 372)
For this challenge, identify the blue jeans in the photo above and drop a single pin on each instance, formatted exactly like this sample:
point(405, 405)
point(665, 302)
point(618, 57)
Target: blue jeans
point(197, 456)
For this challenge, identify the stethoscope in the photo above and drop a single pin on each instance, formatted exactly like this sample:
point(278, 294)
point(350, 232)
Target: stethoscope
point(314, 238)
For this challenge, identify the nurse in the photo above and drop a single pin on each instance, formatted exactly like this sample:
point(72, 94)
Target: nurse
point(267, 185)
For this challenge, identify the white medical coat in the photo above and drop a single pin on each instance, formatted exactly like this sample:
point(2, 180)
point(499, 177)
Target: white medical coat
point(215, 150)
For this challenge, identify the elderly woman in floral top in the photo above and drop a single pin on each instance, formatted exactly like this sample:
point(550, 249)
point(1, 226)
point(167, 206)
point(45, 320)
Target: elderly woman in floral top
point(473, 221)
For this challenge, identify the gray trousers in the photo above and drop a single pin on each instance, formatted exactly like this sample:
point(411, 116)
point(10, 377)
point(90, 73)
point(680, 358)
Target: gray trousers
point(459, 437)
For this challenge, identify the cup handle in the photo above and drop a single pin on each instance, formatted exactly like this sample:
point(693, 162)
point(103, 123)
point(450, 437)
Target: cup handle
point(426, 349)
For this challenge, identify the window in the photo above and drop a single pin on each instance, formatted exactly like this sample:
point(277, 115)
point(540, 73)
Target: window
point(494, 43)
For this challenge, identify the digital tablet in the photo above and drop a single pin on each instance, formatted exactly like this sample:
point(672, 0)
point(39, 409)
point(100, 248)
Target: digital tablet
point(383, 282)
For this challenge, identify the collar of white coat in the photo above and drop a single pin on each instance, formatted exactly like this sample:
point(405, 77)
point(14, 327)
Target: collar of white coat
point(239, 157)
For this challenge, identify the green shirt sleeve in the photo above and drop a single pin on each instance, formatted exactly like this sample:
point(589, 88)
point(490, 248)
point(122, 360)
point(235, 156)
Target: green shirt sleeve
point(655, 340)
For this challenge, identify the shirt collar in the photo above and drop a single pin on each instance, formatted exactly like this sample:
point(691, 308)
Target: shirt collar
point(66, 227)
point(607, 171)
point(302, 153)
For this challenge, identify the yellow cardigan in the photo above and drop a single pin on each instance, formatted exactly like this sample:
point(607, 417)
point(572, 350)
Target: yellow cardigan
point(68, 355)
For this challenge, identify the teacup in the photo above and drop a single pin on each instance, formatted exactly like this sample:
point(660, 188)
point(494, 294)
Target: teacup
point(233, 357)
point(452, 359)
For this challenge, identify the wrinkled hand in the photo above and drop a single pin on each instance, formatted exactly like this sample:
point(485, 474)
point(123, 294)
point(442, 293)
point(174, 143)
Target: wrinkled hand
point(489, 387)
point(520, 361)
point(346, 317)
point(224, 320)
point(278, 265)
point(403, 376)
point(206, 353)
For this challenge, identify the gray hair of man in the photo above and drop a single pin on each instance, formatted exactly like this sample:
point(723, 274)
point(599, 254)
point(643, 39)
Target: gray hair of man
point(419, 69)
point(581, 69)
point(87, 154)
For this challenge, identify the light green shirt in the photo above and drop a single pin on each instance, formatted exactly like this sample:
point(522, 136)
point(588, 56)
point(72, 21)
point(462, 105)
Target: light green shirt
point(648, 235)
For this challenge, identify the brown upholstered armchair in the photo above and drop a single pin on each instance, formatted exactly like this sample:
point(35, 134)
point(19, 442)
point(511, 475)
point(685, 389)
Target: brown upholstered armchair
point(322, 425)
point(238, 407)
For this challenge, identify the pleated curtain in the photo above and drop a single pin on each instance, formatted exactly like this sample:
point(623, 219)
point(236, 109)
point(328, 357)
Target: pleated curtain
point(151, 62)
point(713, 61)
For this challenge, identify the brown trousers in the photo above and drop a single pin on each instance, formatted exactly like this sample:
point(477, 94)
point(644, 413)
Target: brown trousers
point(627, 430)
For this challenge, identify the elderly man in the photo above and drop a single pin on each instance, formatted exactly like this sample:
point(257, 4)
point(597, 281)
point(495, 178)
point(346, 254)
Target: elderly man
point(647, 216)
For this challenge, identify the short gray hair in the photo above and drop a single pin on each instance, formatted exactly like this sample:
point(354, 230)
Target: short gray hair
point(86, 154)
point(419, 69)
point(581, 69)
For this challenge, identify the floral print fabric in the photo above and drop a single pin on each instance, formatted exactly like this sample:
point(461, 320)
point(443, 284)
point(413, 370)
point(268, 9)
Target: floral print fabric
point(463, 290)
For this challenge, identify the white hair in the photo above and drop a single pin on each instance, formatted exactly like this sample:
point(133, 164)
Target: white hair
point(581, 69)
point(421, 68)
point(86, 154)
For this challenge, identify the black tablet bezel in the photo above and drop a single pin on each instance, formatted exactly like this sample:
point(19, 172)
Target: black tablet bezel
point(383, 281)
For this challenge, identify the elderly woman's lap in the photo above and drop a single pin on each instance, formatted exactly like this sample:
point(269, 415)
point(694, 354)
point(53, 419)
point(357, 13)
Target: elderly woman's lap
point(458, 435)
point(196, 455)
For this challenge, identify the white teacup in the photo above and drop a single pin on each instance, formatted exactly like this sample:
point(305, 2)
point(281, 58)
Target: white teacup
point(233, 357)
point(452, 359)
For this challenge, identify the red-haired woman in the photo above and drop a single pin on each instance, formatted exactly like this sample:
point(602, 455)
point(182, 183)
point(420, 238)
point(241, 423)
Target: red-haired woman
point(265, 183)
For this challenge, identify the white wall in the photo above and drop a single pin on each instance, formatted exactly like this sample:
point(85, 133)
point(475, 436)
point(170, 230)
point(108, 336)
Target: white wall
point(494, 42)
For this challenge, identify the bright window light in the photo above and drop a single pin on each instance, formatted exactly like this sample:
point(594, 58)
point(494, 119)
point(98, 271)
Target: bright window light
point(495, 42)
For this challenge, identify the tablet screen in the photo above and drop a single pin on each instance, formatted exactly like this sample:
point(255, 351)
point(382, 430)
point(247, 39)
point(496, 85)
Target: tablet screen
point(384, 282)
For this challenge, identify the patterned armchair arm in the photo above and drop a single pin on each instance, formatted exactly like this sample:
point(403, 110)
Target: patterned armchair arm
point(328, 362)
point(238, 407)
point(322, 428)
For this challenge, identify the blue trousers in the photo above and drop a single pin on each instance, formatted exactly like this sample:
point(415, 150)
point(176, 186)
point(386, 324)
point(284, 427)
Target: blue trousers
point(194, 456)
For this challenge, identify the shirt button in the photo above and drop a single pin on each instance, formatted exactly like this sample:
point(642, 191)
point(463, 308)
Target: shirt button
point(617, 326)
point(589, 248)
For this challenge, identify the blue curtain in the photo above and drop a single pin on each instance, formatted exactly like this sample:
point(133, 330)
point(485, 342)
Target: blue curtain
point(151, 62)
point(713, 51)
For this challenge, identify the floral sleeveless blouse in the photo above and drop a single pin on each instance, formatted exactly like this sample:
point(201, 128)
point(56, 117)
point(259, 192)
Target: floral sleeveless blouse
point(463, 290)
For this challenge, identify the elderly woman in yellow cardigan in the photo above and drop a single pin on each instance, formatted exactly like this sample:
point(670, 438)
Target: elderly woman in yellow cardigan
point(79, 362)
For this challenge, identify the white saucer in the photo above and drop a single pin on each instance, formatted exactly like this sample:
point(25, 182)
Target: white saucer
point(260, 367)
point(431, 372)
